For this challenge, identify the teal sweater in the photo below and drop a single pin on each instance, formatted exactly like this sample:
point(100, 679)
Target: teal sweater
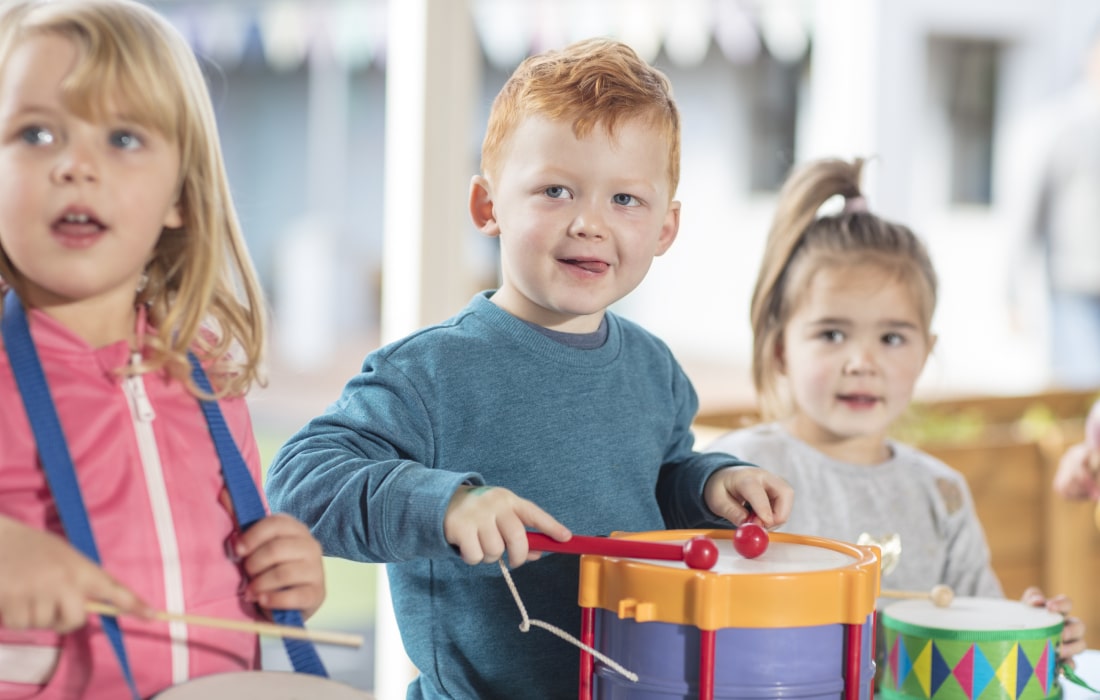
point(600, 438)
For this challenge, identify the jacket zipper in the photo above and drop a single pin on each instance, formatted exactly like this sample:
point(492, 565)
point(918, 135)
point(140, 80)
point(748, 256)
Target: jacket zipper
point(142, 414)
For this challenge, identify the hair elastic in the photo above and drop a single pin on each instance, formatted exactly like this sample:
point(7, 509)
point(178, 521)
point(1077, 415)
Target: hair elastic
point(854, 205)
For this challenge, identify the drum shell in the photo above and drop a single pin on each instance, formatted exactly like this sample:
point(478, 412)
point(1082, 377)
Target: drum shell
point(780, 634)
point(795, 662)
point(1004, 660)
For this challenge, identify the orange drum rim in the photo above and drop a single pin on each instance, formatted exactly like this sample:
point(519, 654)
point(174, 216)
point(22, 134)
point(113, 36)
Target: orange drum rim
point(712, 601)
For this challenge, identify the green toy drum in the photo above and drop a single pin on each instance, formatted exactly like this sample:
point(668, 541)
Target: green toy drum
point(973, 649)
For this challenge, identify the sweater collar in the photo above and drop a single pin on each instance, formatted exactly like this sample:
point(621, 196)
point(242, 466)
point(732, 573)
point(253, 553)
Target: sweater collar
point(522, 334)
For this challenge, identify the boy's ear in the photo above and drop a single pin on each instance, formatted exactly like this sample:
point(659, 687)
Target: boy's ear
point(481, 206)
point(669, 228)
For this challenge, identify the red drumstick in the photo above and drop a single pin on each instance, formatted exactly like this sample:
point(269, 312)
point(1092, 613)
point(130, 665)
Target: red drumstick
point(698, 552)
point(751, 539)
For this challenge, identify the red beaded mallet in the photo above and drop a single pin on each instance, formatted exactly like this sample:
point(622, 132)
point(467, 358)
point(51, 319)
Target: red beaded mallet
point(750, 539)
point(697, 553)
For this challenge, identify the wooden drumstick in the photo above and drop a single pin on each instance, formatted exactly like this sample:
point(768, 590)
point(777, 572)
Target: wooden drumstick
point(696, 553)
point(254, 626)
point(940, 595)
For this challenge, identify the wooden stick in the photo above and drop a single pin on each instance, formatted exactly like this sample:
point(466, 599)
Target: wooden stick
point(940, 595)
point(254, 626)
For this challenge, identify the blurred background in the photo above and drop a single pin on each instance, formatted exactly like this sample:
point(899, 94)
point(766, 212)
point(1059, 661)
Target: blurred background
point(351, 129)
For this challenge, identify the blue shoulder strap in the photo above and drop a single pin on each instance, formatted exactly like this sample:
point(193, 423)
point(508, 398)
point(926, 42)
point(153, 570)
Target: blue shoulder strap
point(249, 508)
point(54, 452)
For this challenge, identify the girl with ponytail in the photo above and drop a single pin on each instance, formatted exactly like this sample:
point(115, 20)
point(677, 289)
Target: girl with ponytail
point(842, 326)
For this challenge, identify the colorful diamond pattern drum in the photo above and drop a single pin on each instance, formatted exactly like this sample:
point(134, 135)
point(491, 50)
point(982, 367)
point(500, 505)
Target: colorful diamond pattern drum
point(984, 649)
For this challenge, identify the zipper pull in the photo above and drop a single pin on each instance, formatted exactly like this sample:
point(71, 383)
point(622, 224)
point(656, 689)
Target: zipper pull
point(142, 406)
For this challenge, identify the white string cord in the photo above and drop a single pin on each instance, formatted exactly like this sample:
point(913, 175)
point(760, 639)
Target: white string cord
point(525, 626)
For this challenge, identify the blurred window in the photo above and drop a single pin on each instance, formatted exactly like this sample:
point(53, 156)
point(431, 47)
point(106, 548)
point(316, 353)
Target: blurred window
point(967, 70)
point(775, 87)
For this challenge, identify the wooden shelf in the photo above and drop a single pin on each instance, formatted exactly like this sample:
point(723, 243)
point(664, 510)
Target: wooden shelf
point(1008, 449)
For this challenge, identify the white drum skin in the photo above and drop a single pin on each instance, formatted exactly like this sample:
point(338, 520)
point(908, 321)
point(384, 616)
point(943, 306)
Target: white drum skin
point(780, 558)
point(973, 614)
point(265, 685)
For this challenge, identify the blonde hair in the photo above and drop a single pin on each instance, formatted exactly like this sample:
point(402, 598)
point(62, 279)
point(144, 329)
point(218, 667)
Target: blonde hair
point(590, 82)
point(800, 243)
point(202, 292)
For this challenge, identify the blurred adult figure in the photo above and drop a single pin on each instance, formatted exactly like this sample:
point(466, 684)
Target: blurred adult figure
point(1063, 223)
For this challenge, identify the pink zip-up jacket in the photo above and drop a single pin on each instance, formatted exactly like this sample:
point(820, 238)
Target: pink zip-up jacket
point(151, 481)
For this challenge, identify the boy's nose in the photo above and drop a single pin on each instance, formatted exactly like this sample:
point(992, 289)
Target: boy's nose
point(588, 225)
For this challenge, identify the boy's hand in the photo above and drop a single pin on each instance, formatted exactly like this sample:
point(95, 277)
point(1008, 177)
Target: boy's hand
point(283, 563)
point(484, 521)
point(1078, 475)
point(53, 582)
point(729, 490)
point(1073, 633)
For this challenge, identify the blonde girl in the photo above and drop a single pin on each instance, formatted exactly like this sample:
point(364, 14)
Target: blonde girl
point(122, 258)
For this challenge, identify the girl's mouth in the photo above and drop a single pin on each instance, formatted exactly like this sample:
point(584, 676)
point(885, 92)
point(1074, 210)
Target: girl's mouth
point(858, 400)
point(77, 229)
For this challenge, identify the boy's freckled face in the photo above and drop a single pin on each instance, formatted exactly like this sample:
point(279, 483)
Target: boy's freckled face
point(579, 219)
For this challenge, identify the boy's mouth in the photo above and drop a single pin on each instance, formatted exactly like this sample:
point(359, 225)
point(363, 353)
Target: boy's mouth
point(588, 265)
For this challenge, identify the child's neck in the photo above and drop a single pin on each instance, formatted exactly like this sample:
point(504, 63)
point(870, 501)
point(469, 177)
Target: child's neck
point(98, 325)
point(523, 309)
point(867, 450)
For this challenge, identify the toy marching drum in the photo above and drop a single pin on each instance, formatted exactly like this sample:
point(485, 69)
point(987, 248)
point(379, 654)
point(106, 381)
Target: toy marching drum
point(796, 621)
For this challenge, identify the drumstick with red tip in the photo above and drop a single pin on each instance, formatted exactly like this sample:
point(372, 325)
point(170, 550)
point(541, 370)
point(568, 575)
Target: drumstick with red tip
point(254, 626)
point(751, 539)
point(940, 595)
point(697, 553)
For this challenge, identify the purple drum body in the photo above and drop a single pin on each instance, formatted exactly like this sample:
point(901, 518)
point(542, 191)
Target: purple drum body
point(798, 662)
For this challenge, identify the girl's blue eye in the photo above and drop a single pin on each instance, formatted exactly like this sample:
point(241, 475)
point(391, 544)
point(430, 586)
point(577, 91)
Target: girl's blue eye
point(36, 136)
point(555, 191)
point(624, 200)
point(126, 140)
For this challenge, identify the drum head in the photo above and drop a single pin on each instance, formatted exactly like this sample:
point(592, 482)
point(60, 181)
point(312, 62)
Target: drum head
point(269, 685)
point(782, 557)
point(977, 615)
